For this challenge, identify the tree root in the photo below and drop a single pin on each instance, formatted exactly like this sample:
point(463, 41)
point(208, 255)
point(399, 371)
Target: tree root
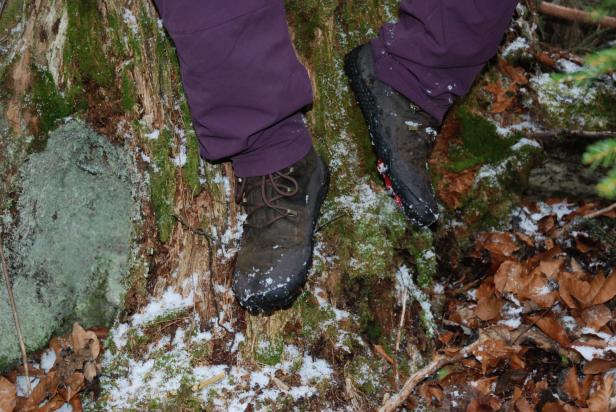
point(571, 14)
point(510, 337)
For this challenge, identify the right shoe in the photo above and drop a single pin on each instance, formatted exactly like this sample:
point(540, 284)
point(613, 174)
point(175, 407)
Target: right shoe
point(277, 241)
point(402, 135)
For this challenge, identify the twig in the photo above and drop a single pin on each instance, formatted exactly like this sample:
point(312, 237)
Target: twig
point(332, 220)
point(572, 133)
point(568, 13)
point(9, 290)
point(402, 316)
point(210, 261)
point(393, 403)
point(602, 211)
point(533, 335)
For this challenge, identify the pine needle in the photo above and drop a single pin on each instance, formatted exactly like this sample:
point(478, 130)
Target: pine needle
point(9, 290)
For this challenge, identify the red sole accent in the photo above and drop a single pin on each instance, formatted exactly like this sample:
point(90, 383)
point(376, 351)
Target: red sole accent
point(382, 169)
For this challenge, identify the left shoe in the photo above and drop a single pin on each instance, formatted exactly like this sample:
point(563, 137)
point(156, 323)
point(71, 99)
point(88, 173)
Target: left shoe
point(277, 241)
point(402, 135)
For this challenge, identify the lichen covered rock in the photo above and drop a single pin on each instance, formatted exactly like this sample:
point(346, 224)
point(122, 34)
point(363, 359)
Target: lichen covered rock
point(70, 244)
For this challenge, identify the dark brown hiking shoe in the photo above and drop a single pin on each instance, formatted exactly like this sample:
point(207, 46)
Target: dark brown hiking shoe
point(276, 246)
point(402, 135)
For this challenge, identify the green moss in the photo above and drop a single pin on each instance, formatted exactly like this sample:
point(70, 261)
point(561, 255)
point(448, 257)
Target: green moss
point(369, 325)
point(128, 92)
point(116, 33)
point(10, 16)
point(85, 35)
point(570, 105)
point(367, 375)
point(422, 249)
point(193, 158)
point(498, 188)
point(313, 316)
point(481, 142)
point(270, 353)
point(49, 104)
point(162, 185)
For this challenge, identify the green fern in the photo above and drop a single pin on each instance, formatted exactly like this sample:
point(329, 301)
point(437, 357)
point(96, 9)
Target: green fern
point(603, 154)
point(607, 186)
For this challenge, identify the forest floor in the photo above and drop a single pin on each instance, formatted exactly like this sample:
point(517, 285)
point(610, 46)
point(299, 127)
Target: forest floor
point(508, 305)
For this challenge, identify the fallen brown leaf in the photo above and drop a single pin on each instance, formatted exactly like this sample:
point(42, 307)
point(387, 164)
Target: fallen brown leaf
point(8, 395)
point(89, 371)
point(492, 352)
point(598, 366)
point(488, 308)
point(597, 316)
point(73, 386)
point(571, 385)
point(432, 393)
point(516, 74)
point(536, 288)
point(552, 327)
point(485, 385)
point(607, 290)
point(522, 405)
point(500, 244)
point(76, 404)
point(599, 401)
point(551, 268)
point(508, 277)
point(82, 339)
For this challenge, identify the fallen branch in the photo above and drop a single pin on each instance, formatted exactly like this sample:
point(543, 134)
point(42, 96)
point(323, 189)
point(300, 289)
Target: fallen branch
point(602, 211)
point(9, 291)
point(393, 403)
point(568, 13)
point(571, 133)
point(533, 334)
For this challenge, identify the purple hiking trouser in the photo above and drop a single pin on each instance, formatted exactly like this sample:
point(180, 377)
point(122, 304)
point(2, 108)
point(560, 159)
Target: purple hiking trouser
point(245, 86)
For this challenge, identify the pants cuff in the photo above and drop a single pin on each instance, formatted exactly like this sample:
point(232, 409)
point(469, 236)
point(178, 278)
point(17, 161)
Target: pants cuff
point(275, 148)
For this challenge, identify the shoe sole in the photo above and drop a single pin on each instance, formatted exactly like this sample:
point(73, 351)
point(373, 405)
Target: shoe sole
point(368, 106)
point(288, 301)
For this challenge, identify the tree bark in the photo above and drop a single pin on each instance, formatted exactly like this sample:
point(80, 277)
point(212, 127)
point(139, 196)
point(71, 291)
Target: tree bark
point(121, 75)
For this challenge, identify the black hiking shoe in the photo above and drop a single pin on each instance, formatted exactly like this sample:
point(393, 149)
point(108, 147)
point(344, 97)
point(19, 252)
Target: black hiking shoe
point(276, 246)
point(402, 135)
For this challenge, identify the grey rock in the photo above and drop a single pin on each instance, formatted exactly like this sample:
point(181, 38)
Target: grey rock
point(72, 241)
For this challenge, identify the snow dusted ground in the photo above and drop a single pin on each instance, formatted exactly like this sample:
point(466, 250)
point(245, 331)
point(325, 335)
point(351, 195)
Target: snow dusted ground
point(143, 371)
point(169, 364)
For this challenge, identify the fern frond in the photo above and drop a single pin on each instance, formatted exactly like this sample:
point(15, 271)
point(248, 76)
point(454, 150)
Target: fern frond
point(607, 186)
point(602, 153)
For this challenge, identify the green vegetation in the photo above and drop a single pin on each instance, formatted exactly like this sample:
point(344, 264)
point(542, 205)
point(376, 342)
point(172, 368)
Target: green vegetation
point(85, 35)
point(10, 16)
point(422, 249)
point(162, 185)
point(48, 103)
point(481, 142)
point(270, 353)
point(603, 154)
point(128, 92)
point(193, 158)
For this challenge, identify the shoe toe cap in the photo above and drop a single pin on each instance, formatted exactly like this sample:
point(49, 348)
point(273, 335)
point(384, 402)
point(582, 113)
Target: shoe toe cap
point(265, 290)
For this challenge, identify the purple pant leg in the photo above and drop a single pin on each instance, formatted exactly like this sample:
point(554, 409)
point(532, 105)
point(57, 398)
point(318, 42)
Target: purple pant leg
point(243, 81)
point(438, 47)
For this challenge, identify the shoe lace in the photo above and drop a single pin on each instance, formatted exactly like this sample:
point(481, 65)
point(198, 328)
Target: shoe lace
point(269, 199)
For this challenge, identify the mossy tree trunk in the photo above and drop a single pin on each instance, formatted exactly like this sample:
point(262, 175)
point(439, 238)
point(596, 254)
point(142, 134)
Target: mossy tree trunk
point(111, 63)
